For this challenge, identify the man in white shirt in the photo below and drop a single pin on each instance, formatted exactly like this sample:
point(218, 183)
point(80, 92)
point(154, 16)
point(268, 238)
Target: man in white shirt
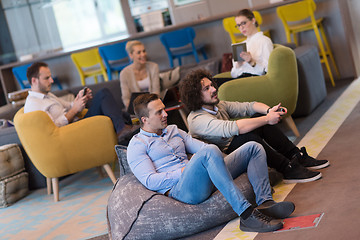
point(63, 112)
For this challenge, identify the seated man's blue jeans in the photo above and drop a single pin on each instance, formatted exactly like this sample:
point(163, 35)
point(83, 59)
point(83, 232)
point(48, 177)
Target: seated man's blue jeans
point(208, 168)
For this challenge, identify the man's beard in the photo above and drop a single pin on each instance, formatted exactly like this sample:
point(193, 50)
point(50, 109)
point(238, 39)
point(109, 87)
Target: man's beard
point(44, 89)
point(212, 103)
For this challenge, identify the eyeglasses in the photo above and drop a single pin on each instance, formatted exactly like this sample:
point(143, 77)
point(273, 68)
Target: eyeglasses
point(241, 24)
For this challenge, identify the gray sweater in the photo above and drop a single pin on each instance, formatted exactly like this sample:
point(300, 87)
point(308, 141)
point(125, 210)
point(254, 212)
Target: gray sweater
point(217, 127)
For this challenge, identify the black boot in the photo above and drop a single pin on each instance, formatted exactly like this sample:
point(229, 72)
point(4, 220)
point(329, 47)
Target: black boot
point(276, 210)
point(296, 173)
point(310, 162)
point(258, 222)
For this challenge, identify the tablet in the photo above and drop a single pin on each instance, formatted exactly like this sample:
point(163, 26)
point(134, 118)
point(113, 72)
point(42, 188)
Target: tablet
point(237, 48)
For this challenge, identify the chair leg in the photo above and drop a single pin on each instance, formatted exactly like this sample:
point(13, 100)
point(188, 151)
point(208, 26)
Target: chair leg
point(48, 185)
point(82, 79)
point(290, 122)
point(56, 80)
point(288, 36)
point(196, 56)
point(323, 55)
point(204, 53)
point(109, 73)
point(328, 49)
point(295, 39)
point(105, 76)
point(179, 59)
point(55, 185)
point(171, 61)
point(110, 173)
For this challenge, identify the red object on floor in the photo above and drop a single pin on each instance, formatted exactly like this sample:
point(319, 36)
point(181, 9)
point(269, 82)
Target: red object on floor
point(301, 222)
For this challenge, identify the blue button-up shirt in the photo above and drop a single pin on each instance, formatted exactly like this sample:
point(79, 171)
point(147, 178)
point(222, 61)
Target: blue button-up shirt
point(156, 160)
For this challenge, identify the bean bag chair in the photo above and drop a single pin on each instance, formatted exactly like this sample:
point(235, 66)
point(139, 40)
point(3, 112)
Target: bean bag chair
point(134, 212)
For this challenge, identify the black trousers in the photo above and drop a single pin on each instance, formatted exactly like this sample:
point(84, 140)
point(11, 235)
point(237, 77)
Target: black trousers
point(279, 149)
point(104, 103)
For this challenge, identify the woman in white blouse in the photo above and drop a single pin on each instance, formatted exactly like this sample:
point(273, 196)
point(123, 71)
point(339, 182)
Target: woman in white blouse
point(258, 47)
point(140, 76)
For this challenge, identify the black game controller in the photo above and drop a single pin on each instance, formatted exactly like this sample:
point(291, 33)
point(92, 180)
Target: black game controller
point(280, 109)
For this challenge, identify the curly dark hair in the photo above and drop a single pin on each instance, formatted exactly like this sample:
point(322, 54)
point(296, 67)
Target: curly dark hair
point(190, 89)
point(248, 14)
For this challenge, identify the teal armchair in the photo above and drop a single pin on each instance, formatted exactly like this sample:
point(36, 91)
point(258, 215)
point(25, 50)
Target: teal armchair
point(278, 85)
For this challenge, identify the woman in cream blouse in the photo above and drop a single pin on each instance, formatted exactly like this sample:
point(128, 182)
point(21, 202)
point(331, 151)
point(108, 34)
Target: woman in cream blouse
point(258, 46)
point(141, 75)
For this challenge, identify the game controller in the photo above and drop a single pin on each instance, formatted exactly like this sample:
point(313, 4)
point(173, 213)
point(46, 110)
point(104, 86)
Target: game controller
point(280, 109)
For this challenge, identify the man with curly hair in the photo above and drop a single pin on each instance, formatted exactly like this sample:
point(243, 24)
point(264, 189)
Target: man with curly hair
point(211, 121)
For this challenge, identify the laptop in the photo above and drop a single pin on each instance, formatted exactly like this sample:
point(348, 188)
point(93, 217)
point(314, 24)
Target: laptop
point(134, 95)
point(171, 99)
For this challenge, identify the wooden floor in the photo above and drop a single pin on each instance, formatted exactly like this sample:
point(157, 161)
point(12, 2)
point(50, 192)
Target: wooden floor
point(304, 125)
point(337, 194)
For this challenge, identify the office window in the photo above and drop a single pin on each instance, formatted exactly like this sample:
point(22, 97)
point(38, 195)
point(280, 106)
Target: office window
point(39, 27)
point(85, 21)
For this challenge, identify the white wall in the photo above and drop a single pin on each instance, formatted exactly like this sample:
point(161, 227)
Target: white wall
point(354, 9)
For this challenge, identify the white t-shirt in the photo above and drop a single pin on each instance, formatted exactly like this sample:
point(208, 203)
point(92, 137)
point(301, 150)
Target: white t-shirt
point(260, 47)
point(144, 84)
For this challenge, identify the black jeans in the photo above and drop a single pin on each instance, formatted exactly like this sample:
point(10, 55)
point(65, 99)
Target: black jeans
point(279, 149)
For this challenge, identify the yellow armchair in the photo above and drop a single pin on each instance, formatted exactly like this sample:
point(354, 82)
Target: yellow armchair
point(59, 151)
point(279, 85)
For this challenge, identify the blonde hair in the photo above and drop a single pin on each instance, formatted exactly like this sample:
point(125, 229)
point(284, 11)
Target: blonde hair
point(130, 45)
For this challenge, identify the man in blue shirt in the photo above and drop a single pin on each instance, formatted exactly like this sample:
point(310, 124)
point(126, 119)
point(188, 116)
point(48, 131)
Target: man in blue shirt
point(158, 158)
